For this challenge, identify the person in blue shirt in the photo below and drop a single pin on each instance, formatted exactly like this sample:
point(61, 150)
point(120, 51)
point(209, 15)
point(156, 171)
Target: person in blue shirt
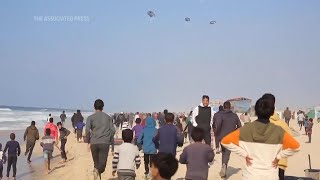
point(14, 151)
point(79, 128)
point(168, 137)
point(145, 138)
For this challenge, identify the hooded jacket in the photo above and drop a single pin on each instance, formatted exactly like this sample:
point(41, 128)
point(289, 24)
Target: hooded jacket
point(146, 136)
point(263, 143)
point(226, 122)
point(31, 134)
point(54, 130)
point(275, 119)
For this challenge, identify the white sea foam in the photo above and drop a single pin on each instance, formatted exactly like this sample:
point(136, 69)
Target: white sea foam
point(20, 119)
point(5, 109)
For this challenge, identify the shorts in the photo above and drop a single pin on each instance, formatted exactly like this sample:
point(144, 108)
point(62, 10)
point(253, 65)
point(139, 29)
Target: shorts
point(301, 122)
point(47, 154)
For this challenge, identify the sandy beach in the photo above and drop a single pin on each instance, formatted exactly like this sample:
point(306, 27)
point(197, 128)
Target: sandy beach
point(80, 164)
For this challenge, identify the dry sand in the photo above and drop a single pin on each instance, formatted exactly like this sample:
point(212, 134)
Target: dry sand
point(81, 165)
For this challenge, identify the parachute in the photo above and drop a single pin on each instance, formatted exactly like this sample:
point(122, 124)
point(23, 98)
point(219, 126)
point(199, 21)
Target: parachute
point(212, 22)
point(187, 19)
point(151, 14)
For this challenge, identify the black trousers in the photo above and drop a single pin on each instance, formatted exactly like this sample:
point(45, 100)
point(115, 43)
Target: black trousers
point(12, 161)
point(79, 134)
point(281, 174)
point(137, 144)
point(147, 162)
point(287, 121)
point(207, 137)
point(29, 148)
point(225, 155)
point(63, 149)
point(1, 169)
point(217, 142)
point(99, 155)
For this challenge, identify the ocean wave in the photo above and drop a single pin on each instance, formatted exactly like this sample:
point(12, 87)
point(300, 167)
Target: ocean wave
point(5, 109)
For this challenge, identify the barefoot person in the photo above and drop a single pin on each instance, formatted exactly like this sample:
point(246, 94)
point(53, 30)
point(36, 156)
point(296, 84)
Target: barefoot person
point(261, 143)
point(64, 133)
point(99, 134)
point(14, 150)
point(47, 143)
point(31, 135)
point(202, 117)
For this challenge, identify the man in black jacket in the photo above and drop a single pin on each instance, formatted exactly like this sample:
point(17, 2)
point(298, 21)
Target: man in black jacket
point(226, 122)
point(214, 127)
point(76, 118)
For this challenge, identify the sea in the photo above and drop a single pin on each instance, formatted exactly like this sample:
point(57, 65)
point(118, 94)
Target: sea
point(18, 118)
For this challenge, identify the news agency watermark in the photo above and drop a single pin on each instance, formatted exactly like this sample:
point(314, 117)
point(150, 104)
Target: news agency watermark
point(63, 19)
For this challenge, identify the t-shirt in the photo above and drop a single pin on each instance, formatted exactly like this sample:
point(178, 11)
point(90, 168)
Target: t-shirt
point(137, 129)
point(126, 157)
point(125, 125)
point(300, 117)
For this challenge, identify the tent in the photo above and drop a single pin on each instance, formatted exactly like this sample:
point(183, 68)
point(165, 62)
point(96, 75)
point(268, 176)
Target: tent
point(314, 113)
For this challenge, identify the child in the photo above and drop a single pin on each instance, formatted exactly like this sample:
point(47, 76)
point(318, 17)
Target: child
point(14, 150)
point(126, 157)
point(306, 124)
point(163, 166)
point(47, 143)
point(64, 133)
point(3, 160)
point(145, 139)
point(197, 156)
point(185, 128)
point(137, 129)
point(309, 129)
point(79, 129)
point(168, 137)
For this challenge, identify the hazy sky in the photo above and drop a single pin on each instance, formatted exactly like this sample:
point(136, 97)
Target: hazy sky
point(137, 64)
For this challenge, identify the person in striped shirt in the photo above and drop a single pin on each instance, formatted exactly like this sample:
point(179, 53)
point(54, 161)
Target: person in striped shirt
point(249, 141)
point(126, 159)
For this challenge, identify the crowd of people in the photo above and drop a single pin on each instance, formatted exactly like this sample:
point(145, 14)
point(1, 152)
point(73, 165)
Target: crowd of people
point(52, 136)
point(159, 138)
point(158, 135)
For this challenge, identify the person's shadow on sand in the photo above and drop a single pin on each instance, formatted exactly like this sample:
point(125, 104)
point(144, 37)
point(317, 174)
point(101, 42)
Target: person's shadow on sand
point(231, 171)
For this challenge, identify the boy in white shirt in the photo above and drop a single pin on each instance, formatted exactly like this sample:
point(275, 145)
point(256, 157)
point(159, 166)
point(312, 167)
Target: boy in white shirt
point(126, 159)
